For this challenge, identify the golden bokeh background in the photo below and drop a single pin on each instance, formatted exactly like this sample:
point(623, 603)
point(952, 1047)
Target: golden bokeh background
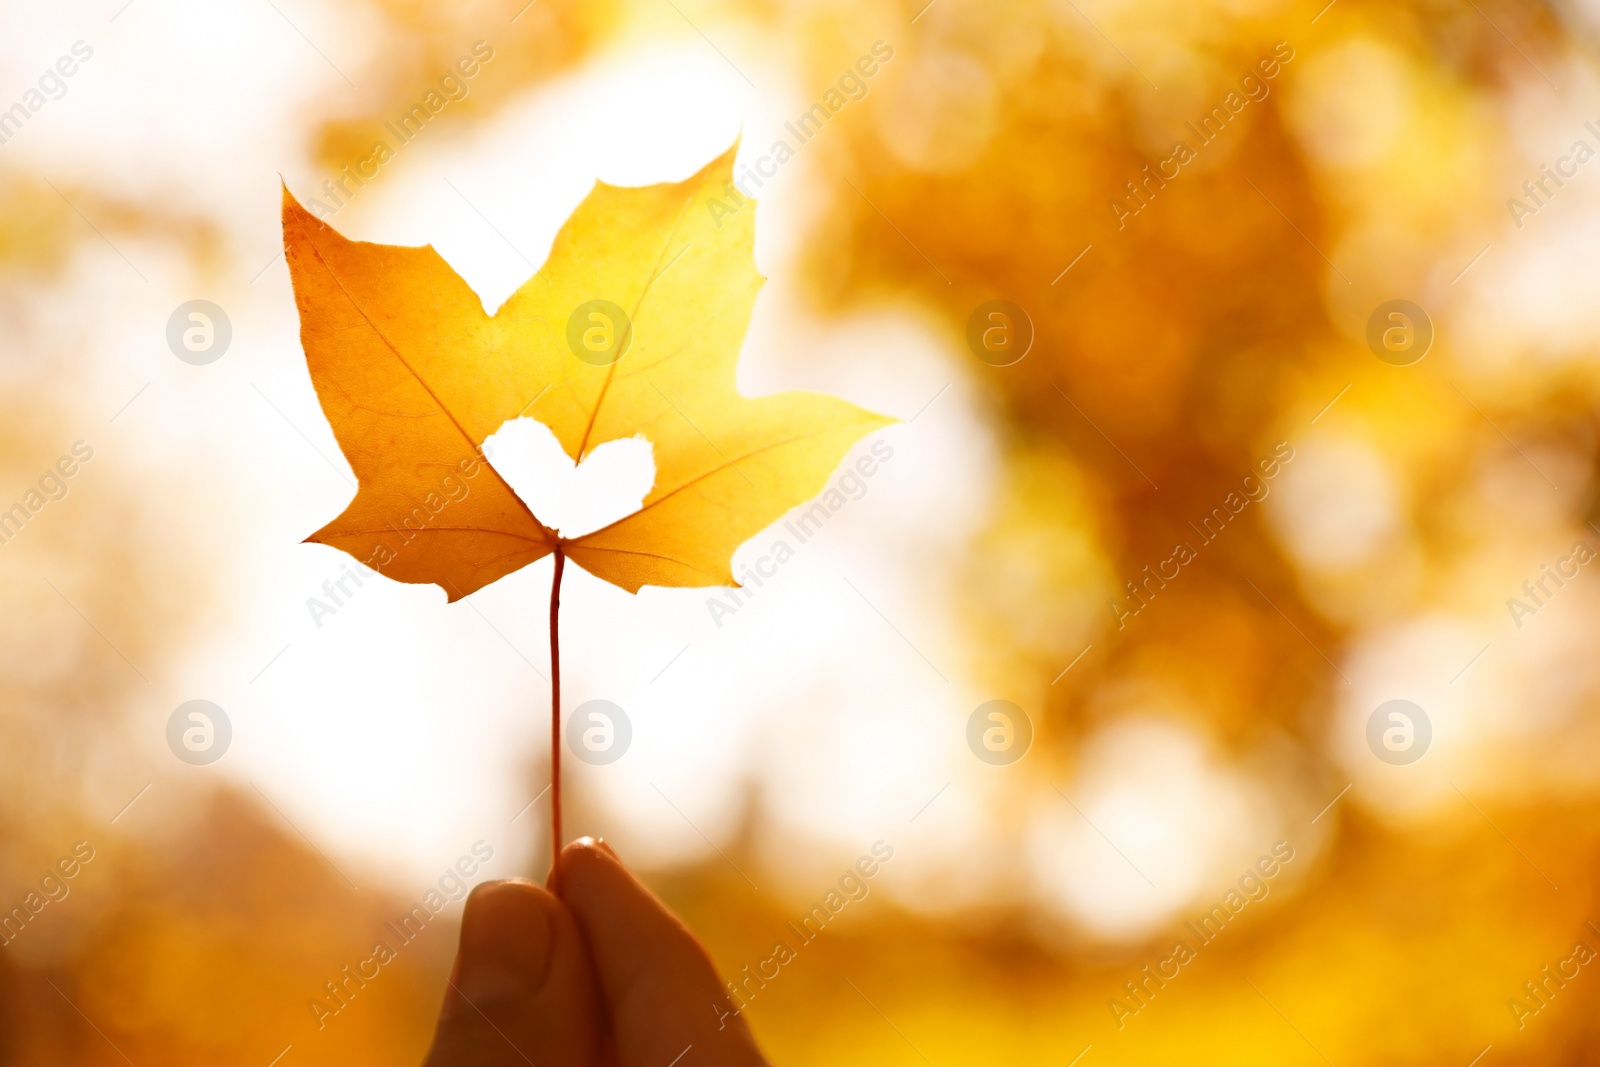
point(1377, 531)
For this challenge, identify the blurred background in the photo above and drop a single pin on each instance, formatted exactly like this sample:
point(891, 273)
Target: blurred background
point(1219, 515)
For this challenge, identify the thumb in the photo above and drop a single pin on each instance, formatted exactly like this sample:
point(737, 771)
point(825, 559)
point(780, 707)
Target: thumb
point(660, 990)
point(522, 989)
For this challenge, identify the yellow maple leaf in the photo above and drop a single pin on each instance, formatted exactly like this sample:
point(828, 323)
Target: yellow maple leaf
point(632, 326)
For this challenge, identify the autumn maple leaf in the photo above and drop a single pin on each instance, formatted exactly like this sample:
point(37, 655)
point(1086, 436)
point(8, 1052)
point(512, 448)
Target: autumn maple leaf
point(631, 327)
point(414, 375)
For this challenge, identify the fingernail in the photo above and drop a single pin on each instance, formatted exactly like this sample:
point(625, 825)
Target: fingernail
point(599, 843)
point(505, 946)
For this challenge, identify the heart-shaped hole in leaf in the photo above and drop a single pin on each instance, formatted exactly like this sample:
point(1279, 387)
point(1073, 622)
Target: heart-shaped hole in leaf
point(608, 485)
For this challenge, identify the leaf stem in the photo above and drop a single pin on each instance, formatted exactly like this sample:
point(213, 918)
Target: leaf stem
point(555, 722)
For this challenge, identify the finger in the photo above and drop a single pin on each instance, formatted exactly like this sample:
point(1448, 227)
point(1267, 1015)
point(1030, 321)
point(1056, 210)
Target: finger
point(522, 989)
point(660, 990)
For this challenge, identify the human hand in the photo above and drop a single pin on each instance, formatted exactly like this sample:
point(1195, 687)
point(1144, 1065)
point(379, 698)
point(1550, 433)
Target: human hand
point(603, 976)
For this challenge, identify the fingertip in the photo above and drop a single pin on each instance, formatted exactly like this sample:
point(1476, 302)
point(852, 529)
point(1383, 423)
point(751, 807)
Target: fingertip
point(592, 844)
point(510, 898)
point(580, 858)
point(501, 890)
point(507, 931)
point(660, 985)
point(521, 988)
point(629, 930)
